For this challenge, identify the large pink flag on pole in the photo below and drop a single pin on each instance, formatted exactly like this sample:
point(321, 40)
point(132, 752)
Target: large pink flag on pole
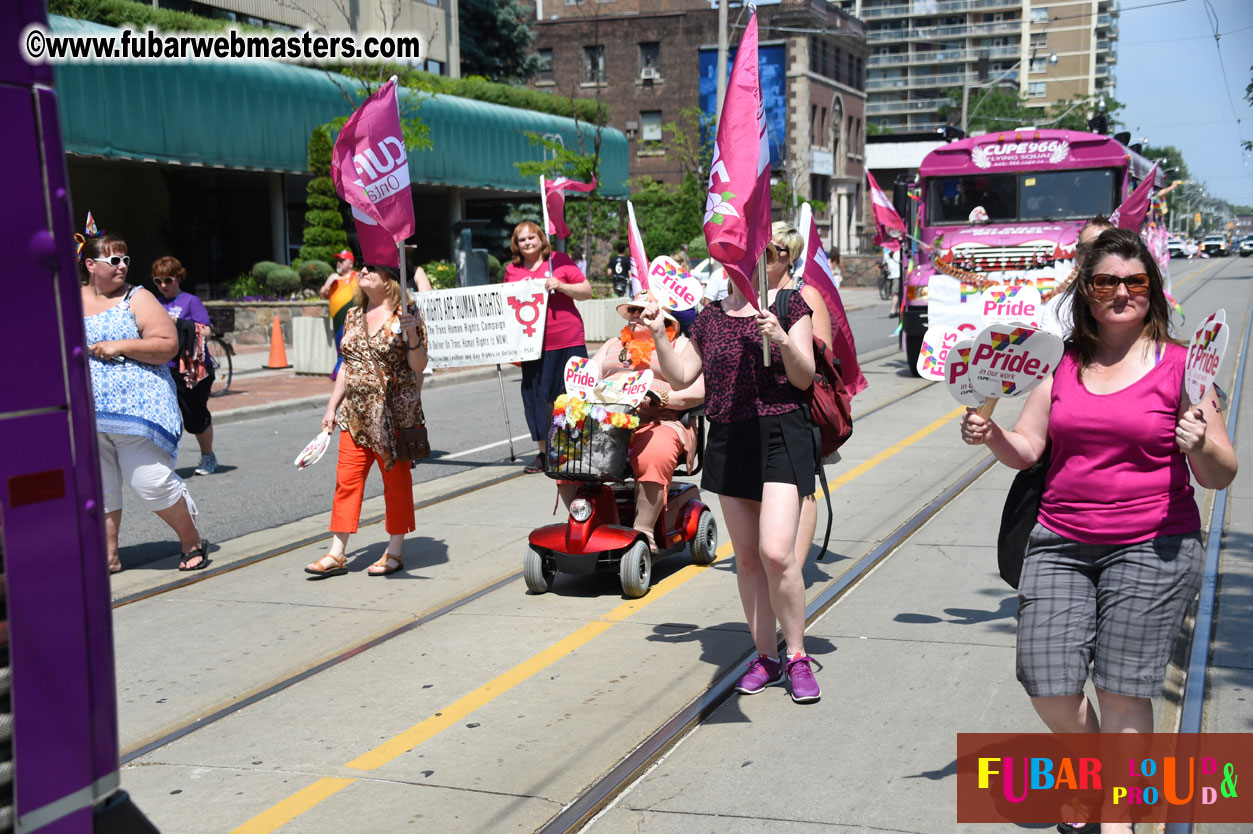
point(639, 260)
point(555, 203)
point(888, 224)
point(737, 210)
point(1130, 213)
point(370, 169)
point(815, 268)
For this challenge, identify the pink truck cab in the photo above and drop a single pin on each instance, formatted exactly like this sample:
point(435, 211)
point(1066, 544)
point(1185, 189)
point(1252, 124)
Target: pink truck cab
point(1006, 208)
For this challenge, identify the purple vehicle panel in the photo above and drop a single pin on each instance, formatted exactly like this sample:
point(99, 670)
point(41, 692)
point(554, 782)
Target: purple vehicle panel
point(61, 704)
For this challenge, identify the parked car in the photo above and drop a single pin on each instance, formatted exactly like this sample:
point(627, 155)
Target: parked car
point(1176, 248)
point(1246, 246)
point(1215, 245)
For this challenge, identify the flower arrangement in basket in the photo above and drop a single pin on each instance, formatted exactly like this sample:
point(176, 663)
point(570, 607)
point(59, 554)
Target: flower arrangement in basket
point(592, 425)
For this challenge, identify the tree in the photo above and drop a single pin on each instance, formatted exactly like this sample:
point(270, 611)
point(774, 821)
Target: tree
point(998, 109)
point(324, 233)
point(496, 40)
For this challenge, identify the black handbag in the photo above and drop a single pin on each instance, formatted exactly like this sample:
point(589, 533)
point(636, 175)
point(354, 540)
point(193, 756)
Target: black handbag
point(1018, 518)
point(412, 444)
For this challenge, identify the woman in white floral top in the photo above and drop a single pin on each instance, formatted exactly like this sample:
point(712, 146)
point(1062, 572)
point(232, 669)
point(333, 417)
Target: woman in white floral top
point(378, 390)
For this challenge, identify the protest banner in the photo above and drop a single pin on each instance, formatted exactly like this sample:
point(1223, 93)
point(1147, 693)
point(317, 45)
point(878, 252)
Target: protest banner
point(580, 382)
point(957, 376)
point(1205, 355)
point(1009, 360)
point(1012, 303)
point(936, 343)
point(672, 286)
point(484, 325)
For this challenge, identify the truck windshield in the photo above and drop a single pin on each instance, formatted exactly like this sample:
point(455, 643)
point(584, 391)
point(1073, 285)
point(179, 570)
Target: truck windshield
point(1044, 195)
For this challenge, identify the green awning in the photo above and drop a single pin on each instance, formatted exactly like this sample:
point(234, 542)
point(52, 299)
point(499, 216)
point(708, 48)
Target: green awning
point(258, 116)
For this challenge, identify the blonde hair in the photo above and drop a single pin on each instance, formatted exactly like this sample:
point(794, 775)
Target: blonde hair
point(393, 288)
point(785, 235)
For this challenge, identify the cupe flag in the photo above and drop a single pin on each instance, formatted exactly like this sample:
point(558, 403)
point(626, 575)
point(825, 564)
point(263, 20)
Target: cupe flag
point(370, 169)
point(816, 271)
point(555, 203)
point(737, 209)
point(1131, 212)
point(888, 224)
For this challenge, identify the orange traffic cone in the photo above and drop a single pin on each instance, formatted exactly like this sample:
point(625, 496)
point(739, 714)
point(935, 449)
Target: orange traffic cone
point(278, 351)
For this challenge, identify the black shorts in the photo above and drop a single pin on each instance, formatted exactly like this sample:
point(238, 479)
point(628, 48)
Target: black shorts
point(193, 404)
point(741, 456)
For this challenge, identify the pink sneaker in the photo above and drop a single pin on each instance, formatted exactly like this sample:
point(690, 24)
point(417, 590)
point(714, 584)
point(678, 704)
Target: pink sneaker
point(762, 672)
point(804, 688)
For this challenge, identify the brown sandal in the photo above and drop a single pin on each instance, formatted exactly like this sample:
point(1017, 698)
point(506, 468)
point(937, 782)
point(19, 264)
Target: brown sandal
point(338, 566)
point(386, 564)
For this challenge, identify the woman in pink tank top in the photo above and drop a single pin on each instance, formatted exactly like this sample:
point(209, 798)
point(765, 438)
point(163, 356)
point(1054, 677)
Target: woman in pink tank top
point(1115, 557)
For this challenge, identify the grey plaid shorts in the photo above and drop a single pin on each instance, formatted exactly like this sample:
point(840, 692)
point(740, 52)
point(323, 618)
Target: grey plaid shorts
point(1117, 608)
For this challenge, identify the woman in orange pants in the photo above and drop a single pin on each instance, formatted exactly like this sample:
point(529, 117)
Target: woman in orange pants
point(378, 390)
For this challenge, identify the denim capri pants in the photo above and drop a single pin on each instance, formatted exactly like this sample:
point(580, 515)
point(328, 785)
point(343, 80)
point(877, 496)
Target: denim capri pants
point(542, 382)
point(1116, 608)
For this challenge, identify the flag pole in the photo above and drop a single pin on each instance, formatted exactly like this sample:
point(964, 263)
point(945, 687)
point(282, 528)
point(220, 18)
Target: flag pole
point(763, 291)
point(504, 406)
point(543, 204)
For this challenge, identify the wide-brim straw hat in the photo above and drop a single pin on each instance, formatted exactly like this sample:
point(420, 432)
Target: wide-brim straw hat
point(640, 302)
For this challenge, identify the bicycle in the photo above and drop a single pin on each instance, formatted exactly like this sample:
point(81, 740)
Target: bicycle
point(220, 353)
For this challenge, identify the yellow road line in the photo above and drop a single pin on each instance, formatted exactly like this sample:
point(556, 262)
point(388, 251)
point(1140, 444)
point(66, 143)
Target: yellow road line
point(287, 810)
point(1197, 274)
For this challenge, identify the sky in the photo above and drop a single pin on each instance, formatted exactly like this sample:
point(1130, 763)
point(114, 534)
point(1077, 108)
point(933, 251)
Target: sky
point(1170, 78)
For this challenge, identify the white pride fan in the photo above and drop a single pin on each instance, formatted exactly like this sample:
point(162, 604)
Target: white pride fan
point(313, 453)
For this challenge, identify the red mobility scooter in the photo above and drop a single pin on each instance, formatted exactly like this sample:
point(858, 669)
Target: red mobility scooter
point(598, 534)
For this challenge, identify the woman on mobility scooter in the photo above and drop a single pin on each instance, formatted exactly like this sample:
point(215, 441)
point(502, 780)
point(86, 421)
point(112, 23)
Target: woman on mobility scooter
point(665, 437)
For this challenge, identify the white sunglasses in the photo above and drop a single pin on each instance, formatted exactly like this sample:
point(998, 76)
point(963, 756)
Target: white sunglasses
point(114, 260)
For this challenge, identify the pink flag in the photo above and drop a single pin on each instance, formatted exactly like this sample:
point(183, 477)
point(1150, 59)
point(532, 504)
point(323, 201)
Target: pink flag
point(1130, 214)
point(889, 228)
point(555, 202)
point(816, 272)
point(639, 261)
point(737, 210)
point(370, 169)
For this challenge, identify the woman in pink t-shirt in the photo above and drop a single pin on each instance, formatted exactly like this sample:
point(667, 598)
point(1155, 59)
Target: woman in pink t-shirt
point(1115, 557)
point(542, 379)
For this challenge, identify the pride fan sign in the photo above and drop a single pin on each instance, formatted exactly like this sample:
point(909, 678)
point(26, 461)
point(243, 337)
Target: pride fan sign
point(957, 376)
point(1009, 360)
point(1011, 303)
point(673, 286)
point(936, 344)
point(1205, 355)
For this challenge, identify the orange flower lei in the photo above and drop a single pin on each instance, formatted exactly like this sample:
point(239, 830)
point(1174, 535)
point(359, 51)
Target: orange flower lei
point(637, 351)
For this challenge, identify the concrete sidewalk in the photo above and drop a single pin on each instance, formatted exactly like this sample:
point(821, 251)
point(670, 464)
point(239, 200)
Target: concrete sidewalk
point(258, 392)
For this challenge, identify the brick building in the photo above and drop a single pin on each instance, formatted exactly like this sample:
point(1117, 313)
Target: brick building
point(648, 60)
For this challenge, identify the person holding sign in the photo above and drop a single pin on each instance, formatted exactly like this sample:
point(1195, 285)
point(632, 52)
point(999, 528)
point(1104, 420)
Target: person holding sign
point(759, 458)
point(533, 258)
point(661, 441)
point(1115, 557)
point(378, 392)
point(789, 246)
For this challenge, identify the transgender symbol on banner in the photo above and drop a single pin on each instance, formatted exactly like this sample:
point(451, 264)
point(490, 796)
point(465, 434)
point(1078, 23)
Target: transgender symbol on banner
point(1205, 354)
point(672, 286)
point(936, 343)
point(1004, 304)
point(957, 374)
point(1009, 360)
point(579, 381)
point(629, 389)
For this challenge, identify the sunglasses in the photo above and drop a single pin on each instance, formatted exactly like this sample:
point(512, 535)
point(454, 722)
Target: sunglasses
point(161, 282)
point(782, 250)
point(1104, 284)
point(114, 260)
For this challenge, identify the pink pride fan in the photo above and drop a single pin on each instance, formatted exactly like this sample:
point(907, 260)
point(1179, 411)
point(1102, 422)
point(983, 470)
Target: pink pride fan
point(936, 343)
point(313, 453)
point(1008, 360)
point(1205, 355)
point(957, 376)
point(629, 389)
point(1012, 303)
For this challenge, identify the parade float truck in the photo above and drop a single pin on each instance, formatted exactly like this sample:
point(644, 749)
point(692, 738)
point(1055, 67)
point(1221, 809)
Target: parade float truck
point(1005, 209)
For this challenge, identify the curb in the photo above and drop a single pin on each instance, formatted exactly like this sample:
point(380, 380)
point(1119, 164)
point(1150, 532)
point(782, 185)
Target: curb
point(255, 412)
